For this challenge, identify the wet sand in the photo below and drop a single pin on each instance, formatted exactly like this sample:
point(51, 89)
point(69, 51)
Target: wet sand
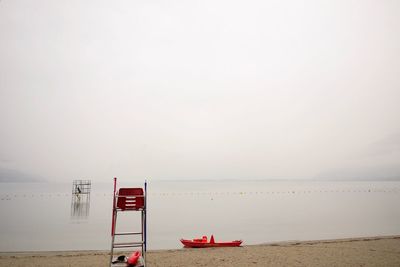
point(375, 251)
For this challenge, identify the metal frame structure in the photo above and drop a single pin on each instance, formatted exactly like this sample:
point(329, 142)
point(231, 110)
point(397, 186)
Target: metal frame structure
point(129, 199)
point(80, 201)
point(81, 190)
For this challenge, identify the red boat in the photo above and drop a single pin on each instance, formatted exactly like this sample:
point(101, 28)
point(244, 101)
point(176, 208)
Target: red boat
point(203, 243)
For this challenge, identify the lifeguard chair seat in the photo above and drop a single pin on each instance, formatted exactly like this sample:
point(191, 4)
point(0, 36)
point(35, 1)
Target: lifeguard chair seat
point(130, 199)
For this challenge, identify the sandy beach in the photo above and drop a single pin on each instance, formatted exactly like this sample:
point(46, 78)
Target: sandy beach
point(374, 251)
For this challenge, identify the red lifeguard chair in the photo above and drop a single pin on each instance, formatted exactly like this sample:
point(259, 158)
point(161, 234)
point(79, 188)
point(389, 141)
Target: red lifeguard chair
point(129, 199)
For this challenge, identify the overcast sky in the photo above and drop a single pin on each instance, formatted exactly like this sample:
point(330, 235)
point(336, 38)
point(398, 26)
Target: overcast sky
point(200, 89)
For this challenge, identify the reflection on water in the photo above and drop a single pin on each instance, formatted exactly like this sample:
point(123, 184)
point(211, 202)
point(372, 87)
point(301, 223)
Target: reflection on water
point(79, 210)
point(80, 202)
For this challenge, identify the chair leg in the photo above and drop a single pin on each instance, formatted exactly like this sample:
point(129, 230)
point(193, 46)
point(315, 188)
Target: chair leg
point(112, 239)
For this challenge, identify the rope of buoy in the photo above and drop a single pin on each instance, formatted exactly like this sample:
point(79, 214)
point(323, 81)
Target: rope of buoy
point(9, 196)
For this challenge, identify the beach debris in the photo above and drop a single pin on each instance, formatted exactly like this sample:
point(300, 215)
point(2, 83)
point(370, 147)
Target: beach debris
point(120, 259)
point(133, 258)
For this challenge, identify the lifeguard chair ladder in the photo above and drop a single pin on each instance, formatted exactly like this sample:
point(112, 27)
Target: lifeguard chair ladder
point(129, 199)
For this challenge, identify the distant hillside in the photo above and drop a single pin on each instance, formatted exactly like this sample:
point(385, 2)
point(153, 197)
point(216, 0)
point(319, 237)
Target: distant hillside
point(395, 178)
point(14, 176)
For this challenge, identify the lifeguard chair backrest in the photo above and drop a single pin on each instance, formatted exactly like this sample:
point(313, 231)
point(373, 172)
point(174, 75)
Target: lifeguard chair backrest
point(130, 198)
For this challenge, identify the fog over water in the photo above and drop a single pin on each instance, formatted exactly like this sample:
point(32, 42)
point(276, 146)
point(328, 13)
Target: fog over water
point(199, 90)
point(40, 215)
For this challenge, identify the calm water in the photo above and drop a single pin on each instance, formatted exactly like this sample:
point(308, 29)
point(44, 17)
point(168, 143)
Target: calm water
point(39, 216)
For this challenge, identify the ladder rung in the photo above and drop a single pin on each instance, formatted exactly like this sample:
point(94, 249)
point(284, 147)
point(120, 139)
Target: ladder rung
point(124, 264)
point(129, 209)
point(129, 233)
point(128, 244)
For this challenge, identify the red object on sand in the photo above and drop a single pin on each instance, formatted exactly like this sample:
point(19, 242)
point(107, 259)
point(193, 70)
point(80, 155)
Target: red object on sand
point(203, 243)
point(133, 259)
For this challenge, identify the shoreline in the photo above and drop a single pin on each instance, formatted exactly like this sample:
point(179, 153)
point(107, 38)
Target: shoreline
point(277, 243)
point(362, 251)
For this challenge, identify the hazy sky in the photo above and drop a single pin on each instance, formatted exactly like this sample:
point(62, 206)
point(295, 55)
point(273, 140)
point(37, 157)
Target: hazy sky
point(200, 89)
